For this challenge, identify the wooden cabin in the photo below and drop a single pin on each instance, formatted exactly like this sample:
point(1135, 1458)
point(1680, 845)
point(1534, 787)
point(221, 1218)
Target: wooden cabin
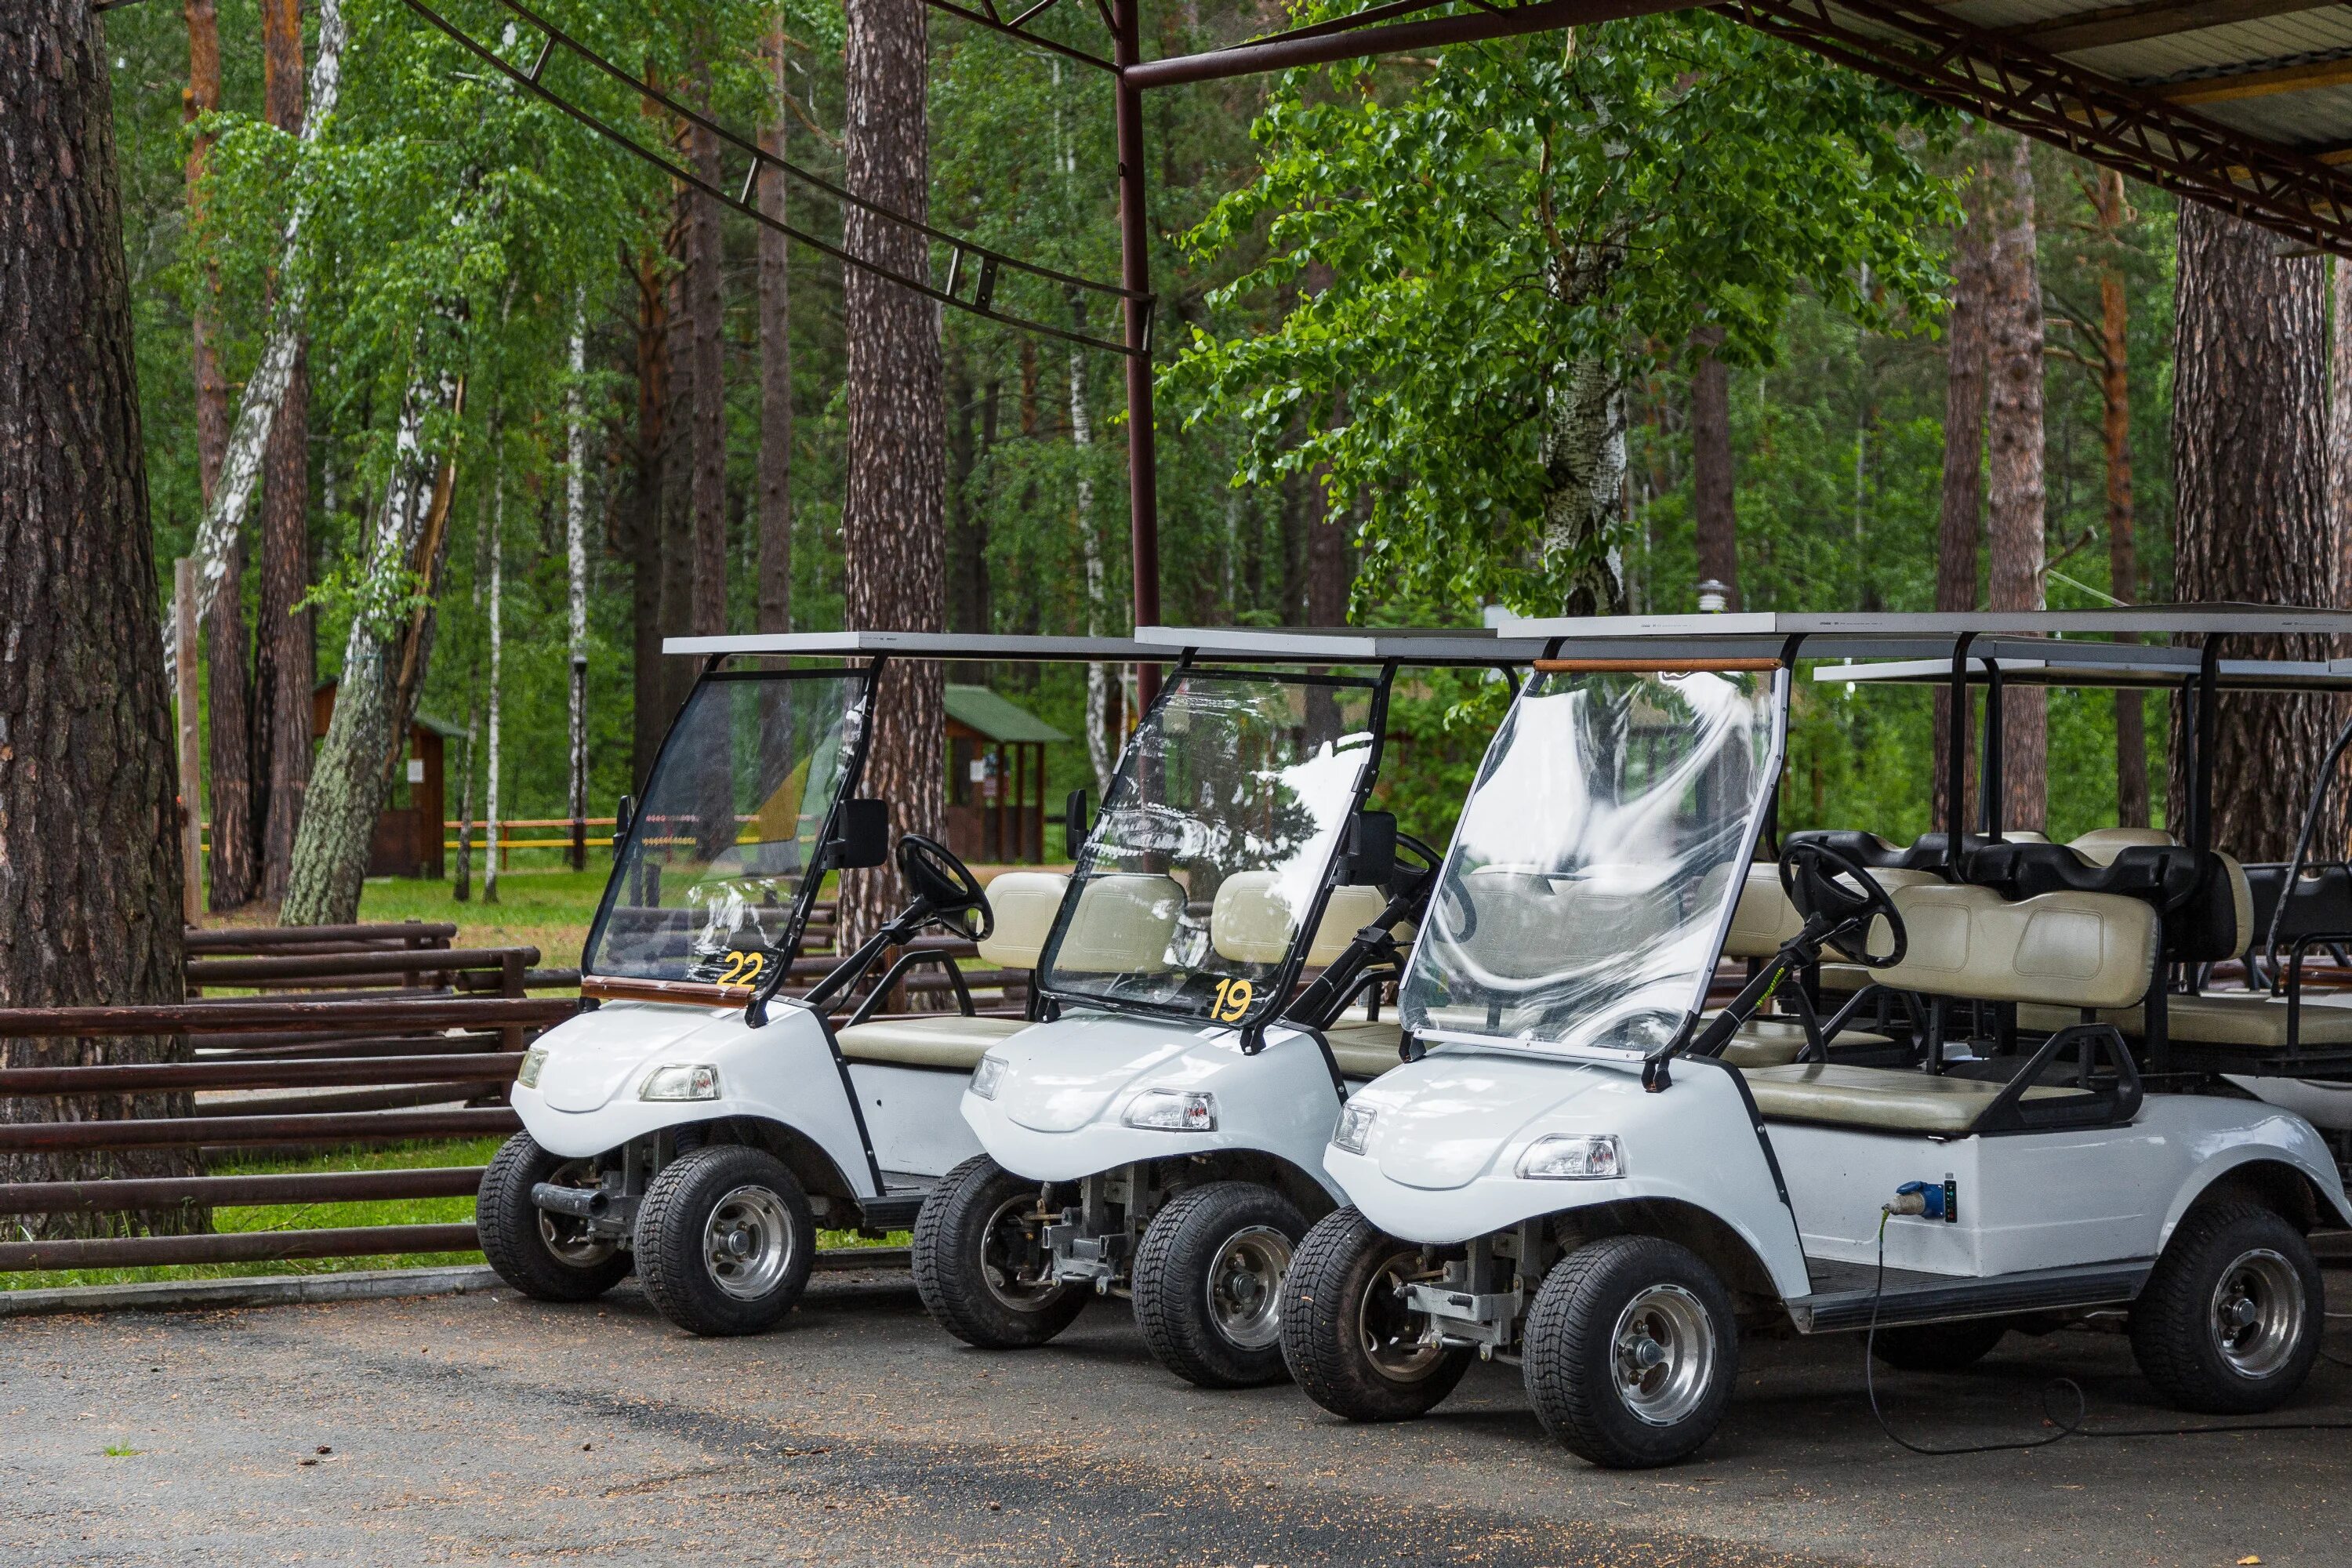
point(408, 841)
point(996, 777)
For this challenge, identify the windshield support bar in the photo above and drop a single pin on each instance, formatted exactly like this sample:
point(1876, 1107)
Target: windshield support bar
point(1956, 758)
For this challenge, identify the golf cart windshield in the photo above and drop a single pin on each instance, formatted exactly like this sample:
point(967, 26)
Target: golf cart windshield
point(1213, 844)
point(714, 868)
point(1598, 860)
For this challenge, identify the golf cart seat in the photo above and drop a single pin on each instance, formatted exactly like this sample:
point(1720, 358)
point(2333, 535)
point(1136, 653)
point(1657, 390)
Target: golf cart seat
point(1883, 1099)
point(1123, 924)
point(2255, 1019)
point(1024, 904)
point(1365, 1048)
point(1252, 921)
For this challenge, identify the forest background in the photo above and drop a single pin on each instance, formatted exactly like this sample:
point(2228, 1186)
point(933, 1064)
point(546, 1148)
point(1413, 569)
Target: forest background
point(459, 225)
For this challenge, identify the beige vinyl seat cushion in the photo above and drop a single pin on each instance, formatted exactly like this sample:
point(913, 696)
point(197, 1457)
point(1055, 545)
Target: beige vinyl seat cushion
point(1365, 1048)
point(945, 1040)
point(1122, 924)
point(2252, 1018)
point(1252, 921)
point(1024, 904)
point(1883, 1099)
point(1775, 1042)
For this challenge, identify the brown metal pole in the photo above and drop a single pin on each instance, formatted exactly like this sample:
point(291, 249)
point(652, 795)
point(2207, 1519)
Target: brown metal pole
point(1135, 275)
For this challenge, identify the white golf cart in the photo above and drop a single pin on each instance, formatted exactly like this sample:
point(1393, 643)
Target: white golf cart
point(700, 1123)
point(1584, 1171)
point(1160, 1136)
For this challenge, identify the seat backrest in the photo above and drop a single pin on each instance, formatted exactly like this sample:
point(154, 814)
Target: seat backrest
point(1346, 912)
point(1251, 920)
point(1122, 924)
point(2101, 845)
point(1024, 904)
point(1767, 917)
point(2065, 949)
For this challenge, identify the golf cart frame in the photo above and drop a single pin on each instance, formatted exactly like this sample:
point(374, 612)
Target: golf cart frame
point(1758, 1188)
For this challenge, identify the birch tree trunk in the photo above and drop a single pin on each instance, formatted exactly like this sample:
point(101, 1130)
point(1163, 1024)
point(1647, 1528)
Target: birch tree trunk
point(2016, 496)
point(2115, 428)
point(1099, 755)
point(286, 655)
point(707, 299)
point(2251, 517)
point(774, 607)
point(893, 531)
point(648, 715)
point(382, 658)
point(1960, 526)
point(1714, 499)
point(490, 817)
point(575, 556)
point(1583, 455)
point(90, 849)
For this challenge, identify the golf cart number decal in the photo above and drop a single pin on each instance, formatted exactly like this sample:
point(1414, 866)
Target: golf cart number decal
point(742, 968)
point(1232, 1003)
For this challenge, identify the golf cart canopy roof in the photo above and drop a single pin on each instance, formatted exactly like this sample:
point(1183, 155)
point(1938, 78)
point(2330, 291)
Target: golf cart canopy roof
point(923, 644)
point(1349, 645)
point(1711, 631)
point(2033, 662)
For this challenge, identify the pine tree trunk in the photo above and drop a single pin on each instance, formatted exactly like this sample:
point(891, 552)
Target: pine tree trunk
point(773, 610)
point(678, 475)
point(90, 849)
point(706, 305)
point(286, 654)
point(2250, 508)
point(1960, 528)
point(2339, 440)
point(384, 661)
point(893, 533)
point(2114, 429)
point(203, 97)
point(648, 716)
point(1714, 503)
point(2016, 502)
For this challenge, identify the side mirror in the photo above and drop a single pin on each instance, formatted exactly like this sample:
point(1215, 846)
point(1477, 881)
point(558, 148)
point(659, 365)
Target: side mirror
point(1371, 849)
point(1074, 823)
point(624, 816)
point(861, 836)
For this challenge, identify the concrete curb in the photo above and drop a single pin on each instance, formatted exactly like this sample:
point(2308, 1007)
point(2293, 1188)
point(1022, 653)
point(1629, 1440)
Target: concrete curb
point(359, 1284)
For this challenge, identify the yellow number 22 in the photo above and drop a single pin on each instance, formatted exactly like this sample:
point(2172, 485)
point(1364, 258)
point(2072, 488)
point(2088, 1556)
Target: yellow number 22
point(743, 968)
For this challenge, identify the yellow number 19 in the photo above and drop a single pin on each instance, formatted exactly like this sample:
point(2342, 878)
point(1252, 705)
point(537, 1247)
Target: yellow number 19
point(1233, 1001)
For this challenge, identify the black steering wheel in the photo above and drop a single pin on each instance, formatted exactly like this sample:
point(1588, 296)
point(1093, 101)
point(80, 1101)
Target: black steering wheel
point(1809, 873)
point(945, 887)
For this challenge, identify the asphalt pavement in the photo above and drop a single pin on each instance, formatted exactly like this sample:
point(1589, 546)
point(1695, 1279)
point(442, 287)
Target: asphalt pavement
point(488, 1428)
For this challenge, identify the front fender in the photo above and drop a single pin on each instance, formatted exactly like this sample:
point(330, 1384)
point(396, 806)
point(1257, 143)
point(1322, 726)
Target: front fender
point(785, 1073)
point(2280, 1138)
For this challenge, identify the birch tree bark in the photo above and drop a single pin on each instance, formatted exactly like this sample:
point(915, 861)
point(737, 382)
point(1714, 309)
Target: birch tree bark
point(1960, 524)
point(2014, 321)
point(575, 557)
point(490, 817)
point(2250, 507)
point(707, 307)
point(1099, 755)
point(286, 655)
point(893, 527)
point(774, 607)
point(2114, 430)
point(1583, 455)
point(382, 665)
point(1713, 501)
point(90, 851)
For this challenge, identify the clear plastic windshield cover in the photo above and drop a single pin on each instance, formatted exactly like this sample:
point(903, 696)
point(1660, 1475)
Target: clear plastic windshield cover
point(1597, 863)
point(728, 828)
point(1212, 845)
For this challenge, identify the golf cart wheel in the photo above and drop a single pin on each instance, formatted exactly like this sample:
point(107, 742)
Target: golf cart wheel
point(2229, 1323)
point(725, 1239)
point(547, 1257)
point(1351, 1340)
point(1630, 1350)
point(1208, 1283)
point(981, 1260)
point(1938, 1347)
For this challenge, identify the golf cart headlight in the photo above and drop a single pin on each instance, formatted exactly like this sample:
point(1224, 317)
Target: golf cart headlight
point(1355, 1126)
point(1573, 1157)
point(987, 1076)
point(681, 1080)
point(533, 1059)
point(1173, 1110)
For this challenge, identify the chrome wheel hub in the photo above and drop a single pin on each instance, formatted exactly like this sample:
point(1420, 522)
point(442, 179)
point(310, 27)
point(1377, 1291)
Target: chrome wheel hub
point(1245, 1286)
point(2258, 1313)
point(1663, 1352)
point(748, 1242)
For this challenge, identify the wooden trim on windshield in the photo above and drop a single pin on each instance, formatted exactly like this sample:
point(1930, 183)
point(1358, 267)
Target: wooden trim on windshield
point(1651, 665)
point(692, 993)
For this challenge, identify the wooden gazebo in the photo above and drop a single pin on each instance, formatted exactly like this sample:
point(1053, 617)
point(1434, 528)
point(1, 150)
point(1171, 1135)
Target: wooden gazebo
point(996, 777)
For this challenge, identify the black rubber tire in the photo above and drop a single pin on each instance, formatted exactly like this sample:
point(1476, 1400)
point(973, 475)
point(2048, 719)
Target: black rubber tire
point(2174, 1332)
point(671, 1227)
point(1343, 1257)
point(950, 1245)
point(1170, 1282)
point(1569, 1353)
point(516, 1244)
point(1938, 1347)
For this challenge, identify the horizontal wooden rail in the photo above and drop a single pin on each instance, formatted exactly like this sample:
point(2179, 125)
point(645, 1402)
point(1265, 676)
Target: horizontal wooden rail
point(304, 966)
point(209, 1192)
point(244, 1131)
point(135, 1078)
point(373, 933)
point(317, 1050)
point(290, 1012)
point(348, 1101)
point(238, 1247)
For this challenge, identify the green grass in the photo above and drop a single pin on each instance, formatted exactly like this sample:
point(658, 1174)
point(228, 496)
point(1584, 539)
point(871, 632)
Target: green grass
point(337, 1216)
